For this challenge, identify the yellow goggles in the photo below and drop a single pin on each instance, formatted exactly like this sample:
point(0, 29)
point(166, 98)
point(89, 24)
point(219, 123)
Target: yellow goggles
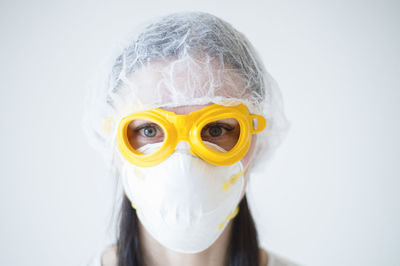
point(227, 127)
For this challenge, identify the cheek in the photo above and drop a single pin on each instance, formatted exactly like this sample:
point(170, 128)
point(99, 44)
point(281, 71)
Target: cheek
point(245, 161)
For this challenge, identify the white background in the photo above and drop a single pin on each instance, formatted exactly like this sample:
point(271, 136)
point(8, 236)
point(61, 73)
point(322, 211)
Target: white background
point(331, 193)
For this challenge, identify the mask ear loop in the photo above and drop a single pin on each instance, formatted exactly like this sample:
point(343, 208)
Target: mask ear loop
point(233, 179)
point(230, 217)
point(136, 208)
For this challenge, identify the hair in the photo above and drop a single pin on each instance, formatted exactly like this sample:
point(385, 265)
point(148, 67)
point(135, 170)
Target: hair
point(176, 36)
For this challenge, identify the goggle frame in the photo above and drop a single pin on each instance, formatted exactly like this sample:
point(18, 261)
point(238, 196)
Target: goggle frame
point(188, 128)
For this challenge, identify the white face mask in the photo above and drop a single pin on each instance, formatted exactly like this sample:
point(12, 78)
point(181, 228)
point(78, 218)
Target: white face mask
point(184, 202)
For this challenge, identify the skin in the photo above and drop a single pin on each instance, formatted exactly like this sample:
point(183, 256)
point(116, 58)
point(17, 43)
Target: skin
point(144, 80)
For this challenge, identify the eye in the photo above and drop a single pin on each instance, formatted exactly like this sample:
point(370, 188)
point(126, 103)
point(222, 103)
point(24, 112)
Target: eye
point(224, 133)
point(215, 131)
point(149, 131)
point(142, 132)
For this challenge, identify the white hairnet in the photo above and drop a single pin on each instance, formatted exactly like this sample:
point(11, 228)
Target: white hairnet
point(184, 58)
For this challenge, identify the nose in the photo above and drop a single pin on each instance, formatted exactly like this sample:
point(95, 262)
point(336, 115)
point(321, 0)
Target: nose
point(183, 146)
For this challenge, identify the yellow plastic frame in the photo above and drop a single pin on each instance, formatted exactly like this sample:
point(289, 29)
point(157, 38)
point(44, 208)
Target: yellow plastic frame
point(188, 128)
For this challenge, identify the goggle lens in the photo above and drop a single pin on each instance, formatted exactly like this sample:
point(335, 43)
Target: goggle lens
point(142, 132)
point(224, 133)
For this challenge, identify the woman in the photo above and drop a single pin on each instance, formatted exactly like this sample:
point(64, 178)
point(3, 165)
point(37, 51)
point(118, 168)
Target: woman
point(187, 111)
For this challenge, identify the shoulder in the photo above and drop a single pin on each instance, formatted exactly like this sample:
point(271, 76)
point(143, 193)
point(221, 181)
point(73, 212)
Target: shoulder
point(269, 258)
point(109, 257)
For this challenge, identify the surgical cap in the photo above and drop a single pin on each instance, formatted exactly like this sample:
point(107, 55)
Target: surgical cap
point(193, 58)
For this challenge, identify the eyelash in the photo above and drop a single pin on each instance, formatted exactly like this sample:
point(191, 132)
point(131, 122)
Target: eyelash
point(224, 126)
point(146, 125)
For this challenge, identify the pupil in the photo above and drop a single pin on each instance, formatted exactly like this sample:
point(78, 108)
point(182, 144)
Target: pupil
point(149, 131)
point(215, 131)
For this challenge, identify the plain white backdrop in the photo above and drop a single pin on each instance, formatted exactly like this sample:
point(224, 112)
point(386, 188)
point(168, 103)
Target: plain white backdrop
point(331, 194)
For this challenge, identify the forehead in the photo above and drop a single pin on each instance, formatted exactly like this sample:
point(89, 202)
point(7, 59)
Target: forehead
point(184, 82)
